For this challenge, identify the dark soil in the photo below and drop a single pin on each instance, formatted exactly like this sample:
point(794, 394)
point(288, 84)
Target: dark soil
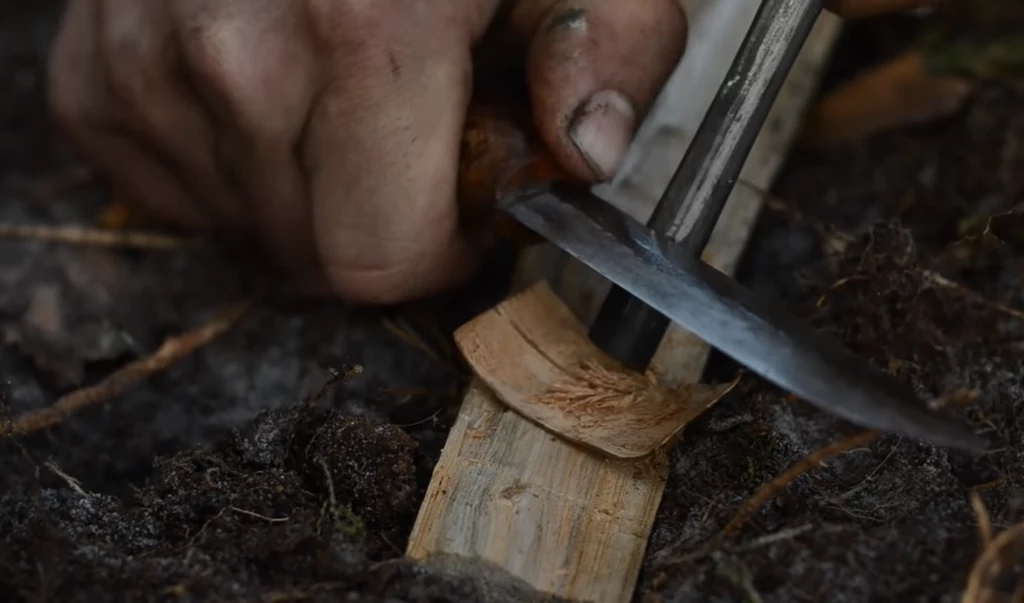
point(237, 475)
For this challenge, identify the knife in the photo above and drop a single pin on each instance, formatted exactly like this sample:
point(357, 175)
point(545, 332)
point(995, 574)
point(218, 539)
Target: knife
point(655, 268)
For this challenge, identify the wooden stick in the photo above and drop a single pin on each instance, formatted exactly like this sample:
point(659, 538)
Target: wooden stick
point(128, 376)
point(798, 469)
point(998, 554)
point(570, 522)
point(94, 237)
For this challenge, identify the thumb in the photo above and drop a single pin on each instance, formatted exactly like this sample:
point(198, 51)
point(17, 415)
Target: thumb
point(594, 68)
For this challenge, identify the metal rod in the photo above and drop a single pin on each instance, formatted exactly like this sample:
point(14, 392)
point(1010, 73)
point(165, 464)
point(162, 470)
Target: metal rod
point(629, 329)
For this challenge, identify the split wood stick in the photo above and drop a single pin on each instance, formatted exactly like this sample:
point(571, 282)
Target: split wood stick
point(568, 521)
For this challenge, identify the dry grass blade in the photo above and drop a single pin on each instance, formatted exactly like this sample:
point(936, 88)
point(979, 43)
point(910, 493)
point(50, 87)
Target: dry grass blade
point(401, 329)
point(998, 553)
point(984, 520)
point(93, 237)
point(772, 489)
point(171, 351)
point(941, 281)
point(347, 373)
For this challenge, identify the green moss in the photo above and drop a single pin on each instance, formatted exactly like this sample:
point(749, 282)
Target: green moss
point(347, 523)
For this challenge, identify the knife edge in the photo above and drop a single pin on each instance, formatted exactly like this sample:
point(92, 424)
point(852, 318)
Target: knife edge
point(752, 330)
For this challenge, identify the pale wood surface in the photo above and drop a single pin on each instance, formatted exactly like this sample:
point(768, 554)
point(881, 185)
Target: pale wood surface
point(563, 519)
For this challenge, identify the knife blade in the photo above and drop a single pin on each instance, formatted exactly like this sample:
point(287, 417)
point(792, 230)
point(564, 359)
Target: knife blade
point(689, 208)
point(753, 331)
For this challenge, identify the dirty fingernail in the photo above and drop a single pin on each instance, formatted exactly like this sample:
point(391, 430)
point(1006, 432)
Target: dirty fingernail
point(602, 130)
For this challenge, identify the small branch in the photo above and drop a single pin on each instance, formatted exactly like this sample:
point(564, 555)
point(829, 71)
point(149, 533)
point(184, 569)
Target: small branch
point(780, 536)
point(258, 516)
point(93, 237)
point(772, 489)
point(173, 350)
point(72, 483)
point(998, 554)
point(941, 281)
point(401, 329)
point(984, 520)
point(346, 374)
point(330, 484)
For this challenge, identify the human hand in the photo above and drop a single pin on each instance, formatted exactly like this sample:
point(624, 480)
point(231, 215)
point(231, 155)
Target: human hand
point(330, 129)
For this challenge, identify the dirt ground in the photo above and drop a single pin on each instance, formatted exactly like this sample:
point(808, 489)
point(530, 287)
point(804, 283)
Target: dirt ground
point(237, 475)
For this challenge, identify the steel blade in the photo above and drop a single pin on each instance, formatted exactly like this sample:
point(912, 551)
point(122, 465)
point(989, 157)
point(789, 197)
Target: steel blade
point(691, 204)
point(729, 317)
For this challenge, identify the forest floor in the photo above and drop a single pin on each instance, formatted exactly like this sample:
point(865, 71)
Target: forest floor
point(250, 471)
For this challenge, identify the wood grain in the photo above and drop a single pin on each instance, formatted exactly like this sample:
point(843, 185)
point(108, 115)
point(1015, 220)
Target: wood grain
point(563, 519)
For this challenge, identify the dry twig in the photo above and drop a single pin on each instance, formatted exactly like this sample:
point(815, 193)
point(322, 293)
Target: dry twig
point(773, 488)
point(72, 483)
point(128, 376)
point(259, 516)
point(94, 237)
point(401, 329)
point(938, 280)
point(984, 520)
point(998, 553)
point(347, 373)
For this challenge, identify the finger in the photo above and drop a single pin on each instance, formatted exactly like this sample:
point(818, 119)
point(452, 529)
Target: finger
point(252, 63)
point(855, 9)
point(142, 61)
point(594, 68)
point(81, 105)
point(382, 150)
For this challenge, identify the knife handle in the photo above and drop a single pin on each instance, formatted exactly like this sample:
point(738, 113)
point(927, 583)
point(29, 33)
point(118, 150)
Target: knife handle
point(500, 156)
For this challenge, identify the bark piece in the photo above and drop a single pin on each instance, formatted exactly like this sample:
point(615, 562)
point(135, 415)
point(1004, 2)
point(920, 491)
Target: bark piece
point(535, 355)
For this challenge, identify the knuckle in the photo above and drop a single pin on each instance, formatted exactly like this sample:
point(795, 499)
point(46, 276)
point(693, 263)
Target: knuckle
point(389, 279)
point(371, 287)
point(226, 74)
point(204, 49)
point(353, 21)
point(129, 52)
point(125, 77)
